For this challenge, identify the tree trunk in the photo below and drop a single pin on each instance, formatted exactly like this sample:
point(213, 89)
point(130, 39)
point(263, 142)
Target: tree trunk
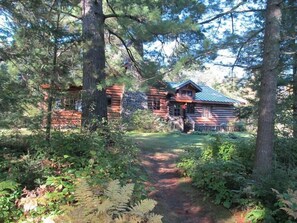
point(49, 116)
point(53, 76)
point(94, 100)
point(267, 103)
point(293, 48)
point(295, 90)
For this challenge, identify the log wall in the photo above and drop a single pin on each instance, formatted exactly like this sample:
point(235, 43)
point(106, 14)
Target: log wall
point(62, 118)
point(116, 93)
point(155, 94)
point(220, 114)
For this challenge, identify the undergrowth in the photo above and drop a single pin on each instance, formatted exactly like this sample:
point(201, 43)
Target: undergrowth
point(146, 121)
point(111, 205)
point(36, 178)
point(222, 167)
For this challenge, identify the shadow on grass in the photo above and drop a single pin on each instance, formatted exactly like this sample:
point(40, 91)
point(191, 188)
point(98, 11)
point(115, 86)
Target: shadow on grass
point(167, 142)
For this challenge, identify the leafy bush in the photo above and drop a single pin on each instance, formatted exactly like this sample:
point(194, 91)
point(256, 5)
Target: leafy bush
point(46, 173)
point(240, 126)
point(286, 152)
point(9, 192)
point(221, 167)
point(146, 121)
point(259, 214)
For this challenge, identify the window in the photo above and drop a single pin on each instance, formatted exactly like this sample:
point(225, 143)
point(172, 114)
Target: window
point(186, 93)
point(78, 106)
point(176, 110)
point(154, 104)
point(68, 102)
point(191, 108)
point(109, 100)
point(207, 111)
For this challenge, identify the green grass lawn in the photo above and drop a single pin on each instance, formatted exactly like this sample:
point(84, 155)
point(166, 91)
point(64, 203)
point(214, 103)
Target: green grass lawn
point(174, 142)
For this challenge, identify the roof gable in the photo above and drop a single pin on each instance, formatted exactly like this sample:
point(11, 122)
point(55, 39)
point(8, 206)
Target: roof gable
point(203, 93)
point(177, 86)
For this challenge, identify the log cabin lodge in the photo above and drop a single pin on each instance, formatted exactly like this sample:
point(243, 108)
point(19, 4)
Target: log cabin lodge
point(201, 105)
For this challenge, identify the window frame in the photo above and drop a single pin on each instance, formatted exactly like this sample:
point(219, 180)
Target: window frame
point(155, 104)
point(176, 110)
point(187, 93)
point(109, 101)
point(207, 111)
point(190, 108)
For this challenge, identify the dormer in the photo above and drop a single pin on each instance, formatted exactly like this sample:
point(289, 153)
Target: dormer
point(185, 90)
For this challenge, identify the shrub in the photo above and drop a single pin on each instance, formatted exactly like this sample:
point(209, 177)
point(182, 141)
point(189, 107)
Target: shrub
point(223, 168)
point(146, 121)
point(240, 126)
point(259, 214)
point(47, 172)
point(286, 152)
point(9, 192)
point(220, 168)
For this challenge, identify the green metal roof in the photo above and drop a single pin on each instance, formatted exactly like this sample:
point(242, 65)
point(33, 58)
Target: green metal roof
point(210, 95)
point(206, 94)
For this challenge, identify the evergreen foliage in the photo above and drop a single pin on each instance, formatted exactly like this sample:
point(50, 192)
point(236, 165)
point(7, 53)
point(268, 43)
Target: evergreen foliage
point(14, 97)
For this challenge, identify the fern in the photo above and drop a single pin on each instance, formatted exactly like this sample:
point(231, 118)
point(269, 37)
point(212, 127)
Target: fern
point(289, 202)
point(119, 196)
point(144, 206)
point(113, 207)
point(7, 186)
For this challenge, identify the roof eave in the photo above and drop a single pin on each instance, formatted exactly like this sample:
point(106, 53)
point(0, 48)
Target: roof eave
point(186, 83)
point(214, 102)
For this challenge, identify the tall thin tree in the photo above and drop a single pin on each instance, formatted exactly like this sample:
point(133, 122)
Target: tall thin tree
point(267, 103)
point(94, 103)
point(293, 50)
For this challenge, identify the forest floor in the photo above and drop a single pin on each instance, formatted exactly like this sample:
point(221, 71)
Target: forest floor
point(178, 201)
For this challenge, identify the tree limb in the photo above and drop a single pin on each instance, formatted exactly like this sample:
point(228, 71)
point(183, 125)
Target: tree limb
point(115, 15)
point(243, 44)
point(130, 54)
point(232, 10)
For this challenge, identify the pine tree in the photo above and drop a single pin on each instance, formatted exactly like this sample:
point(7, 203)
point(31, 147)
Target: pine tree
point(269, 75)
point(45, 39)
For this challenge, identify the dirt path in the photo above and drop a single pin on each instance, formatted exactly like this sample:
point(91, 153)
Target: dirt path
point(177, 200)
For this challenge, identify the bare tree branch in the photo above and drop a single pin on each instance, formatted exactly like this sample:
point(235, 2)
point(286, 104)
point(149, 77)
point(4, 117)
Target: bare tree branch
point(232, 10)
point(130, 54)
point(115, 15)
point(243, 44)
point(134, 18)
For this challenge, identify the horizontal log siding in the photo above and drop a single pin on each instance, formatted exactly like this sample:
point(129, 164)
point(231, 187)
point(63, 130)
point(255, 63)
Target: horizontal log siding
point(220, 114)
point(66, 118)
point(160, 94)
point(116, 93)
point(71, 118)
